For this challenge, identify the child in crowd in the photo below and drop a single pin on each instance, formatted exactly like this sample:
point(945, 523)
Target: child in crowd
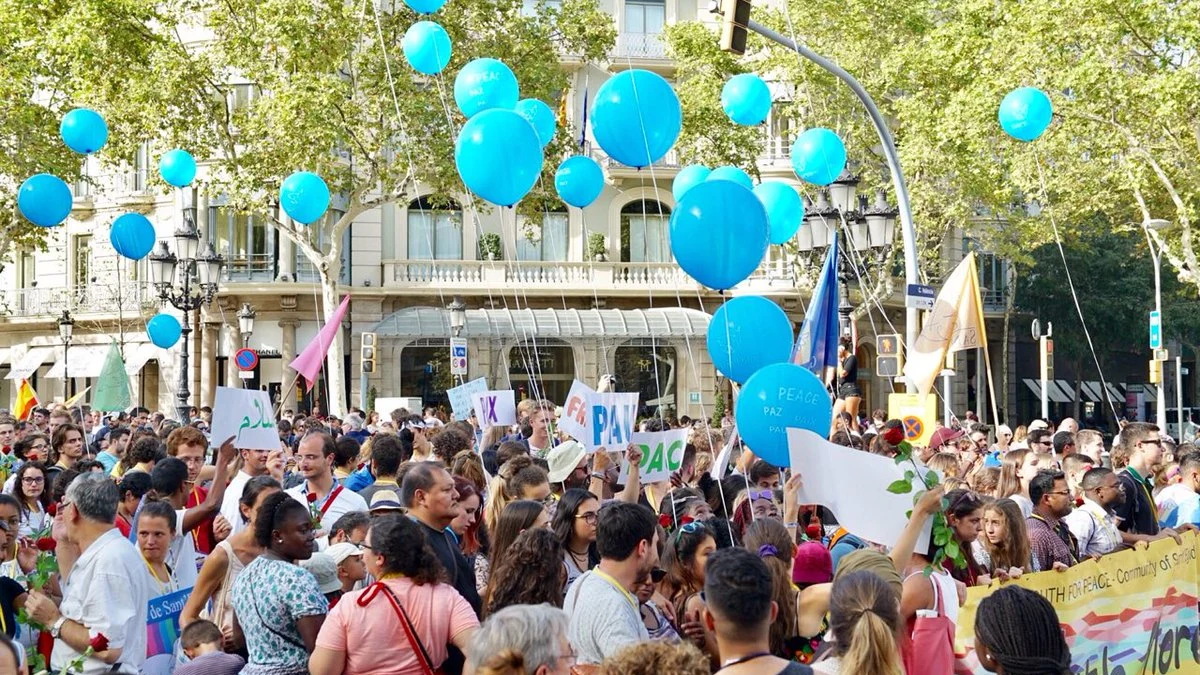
point(201, 641)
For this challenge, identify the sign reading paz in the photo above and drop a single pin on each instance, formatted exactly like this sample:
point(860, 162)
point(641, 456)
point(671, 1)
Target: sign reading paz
point(245, 414)
point(662, 455)
point(495, 408)
point(610, 420)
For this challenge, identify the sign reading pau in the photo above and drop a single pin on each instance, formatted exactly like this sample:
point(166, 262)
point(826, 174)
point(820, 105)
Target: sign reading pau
point(662, 455)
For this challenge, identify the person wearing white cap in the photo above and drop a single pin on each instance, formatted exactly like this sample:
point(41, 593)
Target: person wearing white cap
point(568, 463)
point(325, 571)
point(350, 567)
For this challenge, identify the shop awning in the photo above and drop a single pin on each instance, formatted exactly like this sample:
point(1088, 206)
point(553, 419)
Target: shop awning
point(434, 322)
point(28, 363)
point(82, 361)
point(1056, 393)
point(137, 356)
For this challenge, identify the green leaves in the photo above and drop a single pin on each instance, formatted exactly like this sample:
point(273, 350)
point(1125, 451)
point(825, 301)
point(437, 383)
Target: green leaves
point(900, 487)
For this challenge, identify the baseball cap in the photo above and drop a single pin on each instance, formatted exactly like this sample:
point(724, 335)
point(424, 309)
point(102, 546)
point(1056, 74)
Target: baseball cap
point(813, 564)
point(339, 552)
point(563, 459)
point(385, 500)
point(1038, 424)
point(324, 569)
point(945, 435)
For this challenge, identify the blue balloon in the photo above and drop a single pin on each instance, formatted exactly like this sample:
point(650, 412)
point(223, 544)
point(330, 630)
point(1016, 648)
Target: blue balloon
point(498, 156)
point(579, 180)
point(636, 117)
point(818, 156)
point(483, 84)
point(1025, 113)
point(689, 177)
point(425, 6)
point(132, 235)
point(44, 200)
point(164, 330)
point(540, 116)
point(719, 233)
point(177, 167)
point(84, 131)
point(427, 47)
point(732, 173)
point(304, 196)
point(746, 334)
point(775, 398)
point(746, 99)
point(785, 209)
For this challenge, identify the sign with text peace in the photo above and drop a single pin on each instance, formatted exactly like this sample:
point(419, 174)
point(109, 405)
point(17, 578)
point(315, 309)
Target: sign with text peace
point(496, 408)
point(574, 416)
point(247, 415)
point(662, 455)
point(610, 419)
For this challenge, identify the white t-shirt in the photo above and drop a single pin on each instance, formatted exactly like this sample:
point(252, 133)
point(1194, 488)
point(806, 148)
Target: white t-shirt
point(182, 556)
point(344, 501)
point(229, 504)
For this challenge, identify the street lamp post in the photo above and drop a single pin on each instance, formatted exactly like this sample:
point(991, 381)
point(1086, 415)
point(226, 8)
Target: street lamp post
point(187, 279)
point(458, 315)
point(246, 323)
point(1156, 225)
point(66, 330)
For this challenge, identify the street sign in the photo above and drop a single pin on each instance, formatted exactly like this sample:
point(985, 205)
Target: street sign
point(919, 296)
point(246, 374)
point(245, 359)
point(458, 356)
point(1155, 330)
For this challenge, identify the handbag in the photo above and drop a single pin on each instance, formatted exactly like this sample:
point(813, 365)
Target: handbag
point(932, 648)
point(409, 630)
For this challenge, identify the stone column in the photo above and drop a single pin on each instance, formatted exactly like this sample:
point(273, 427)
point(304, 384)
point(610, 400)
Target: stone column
point(233, 342)
point(287, 352)
point(210, 334)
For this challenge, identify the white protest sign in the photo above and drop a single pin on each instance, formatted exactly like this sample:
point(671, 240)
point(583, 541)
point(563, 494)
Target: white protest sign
point(574, 416)
point(462, 397)
point(247, 415)
point(662, 455)
point(854, 485)
point(495, 408)
point(721, 463)
point(610, 419)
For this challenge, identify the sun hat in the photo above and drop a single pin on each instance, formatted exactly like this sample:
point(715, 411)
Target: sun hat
point(324, 569)
point(563, 459)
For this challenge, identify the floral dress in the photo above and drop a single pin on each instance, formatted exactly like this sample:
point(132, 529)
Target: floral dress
point(268, 597)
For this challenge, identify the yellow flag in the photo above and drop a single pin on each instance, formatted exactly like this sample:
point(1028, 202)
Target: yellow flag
point(74, 400)
point(26, 400)
point(955, 324)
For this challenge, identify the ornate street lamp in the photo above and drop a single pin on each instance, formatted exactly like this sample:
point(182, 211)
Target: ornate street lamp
point(458, 315)
point(66, 330)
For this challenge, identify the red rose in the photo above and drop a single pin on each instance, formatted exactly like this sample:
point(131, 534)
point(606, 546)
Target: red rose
point(1078, 502)
point(311, 497)
point(98, 643)
point(664, 520)
point(52, 509)
point(813, 532)
point(894, 435)
point(46, 544)
point(686, 520)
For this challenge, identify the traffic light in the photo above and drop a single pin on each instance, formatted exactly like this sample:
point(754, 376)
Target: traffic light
point(367, 355)
point(889, 362)
point(736, 15)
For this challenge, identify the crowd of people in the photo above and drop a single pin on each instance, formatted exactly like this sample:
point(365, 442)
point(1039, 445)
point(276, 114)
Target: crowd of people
point(413, 544)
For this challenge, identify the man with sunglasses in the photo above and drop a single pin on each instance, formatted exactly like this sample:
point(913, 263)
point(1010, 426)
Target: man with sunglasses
point(1093, 523)
point(1138, 516)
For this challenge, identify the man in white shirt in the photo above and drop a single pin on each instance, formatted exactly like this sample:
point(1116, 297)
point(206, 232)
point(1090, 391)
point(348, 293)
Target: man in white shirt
point(254, 463)
point(104, 593)
point(1093, 523)
point(319, 491)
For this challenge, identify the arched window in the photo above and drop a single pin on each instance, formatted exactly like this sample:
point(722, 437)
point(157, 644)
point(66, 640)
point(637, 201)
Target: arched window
point(542, 369)
point(647, 367)
point(545, 237)
point(434, 231)
point(645, 231)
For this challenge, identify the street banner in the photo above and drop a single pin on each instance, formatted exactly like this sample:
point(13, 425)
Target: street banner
point(162, 631)
point(662, 455)
point(1130, 612)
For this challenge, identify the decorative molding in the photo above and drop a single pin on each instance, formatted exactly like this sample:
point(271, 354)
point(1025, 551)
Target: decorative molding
point(287, 303)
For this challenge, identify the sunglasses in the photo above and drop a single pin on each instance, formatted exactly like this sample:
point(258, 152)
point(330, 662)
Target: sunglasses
point(761, 494)
point(658, 574)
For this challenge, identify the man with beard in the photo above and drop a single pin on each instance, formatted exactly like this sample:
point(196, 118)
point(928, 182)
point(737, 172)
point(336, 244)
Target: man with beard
point(1093, 522)
point(568, 463)
point(604, 615)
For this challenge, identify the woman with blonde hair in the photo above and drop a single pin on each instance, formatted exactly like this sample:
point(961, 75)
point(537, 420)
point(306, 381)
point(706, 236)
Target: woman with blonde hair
point(864, 619)
point(1004, 550)
point(519, 478)
point(1017, 468)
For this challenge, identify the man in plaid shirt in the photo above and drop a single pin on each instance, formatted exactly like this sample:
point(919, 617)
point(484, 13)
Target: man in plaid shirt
point(1052, 544)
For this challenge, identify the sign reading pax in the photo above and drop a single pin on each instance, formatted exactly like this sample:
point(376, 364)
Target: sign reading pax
point(494, 408)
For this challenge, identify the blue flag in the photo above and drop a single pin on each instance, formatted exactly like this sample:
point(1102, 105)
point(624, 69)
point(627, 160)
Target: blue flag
point(817, 344)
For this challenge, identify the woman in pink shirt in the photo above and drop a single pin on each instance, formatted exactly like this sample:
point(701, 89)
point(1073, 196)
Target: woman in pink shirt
point(366, 632)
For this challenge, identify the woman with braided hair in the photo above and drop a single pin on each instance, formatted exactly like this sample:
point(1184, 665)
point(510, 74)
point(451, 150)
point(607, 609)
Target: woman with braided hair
point(1017, 632)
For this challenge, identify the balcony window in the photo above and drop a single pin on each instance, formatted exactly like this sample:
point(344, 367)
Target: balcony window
point(549, 243)
point(318, 236)
point(138, 179)
point(246, 240)
point(81, 260)
point(645, 232)
point(781, 130)
point(434, 232)
point(993, 276)
point(26, 269)
point(641, 34)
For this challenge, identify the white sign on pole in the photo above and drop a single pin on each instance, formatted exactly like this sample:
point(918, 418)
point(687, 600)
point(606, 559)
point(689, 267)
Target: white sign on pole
point(462, 397)
point(721, 463)
point(610, 419)
point(247, 415)
point(662, 455)
point(458, 356)
point(494, 408)
point(574, 416)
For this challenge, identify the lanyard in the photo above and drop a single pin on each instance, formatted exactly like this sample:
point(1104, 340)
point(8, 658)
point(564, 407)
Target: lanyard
point(330, 498)
point(624, 591)
point(164, 586)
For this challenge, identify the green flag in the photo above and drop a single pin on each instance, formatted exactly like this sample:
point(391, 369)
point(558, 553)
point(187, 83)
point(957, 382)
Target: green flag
point(112, 387)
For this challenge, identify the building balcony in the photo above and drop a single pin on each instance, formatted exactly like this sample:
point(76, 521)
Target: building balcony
point(92, 301)
point(641, 50)
point(662, 170)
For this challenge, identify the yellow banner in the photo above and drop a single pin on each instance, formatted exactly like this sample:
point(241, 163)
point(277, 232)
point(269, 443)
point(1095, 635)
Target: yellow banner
point(1130, 612)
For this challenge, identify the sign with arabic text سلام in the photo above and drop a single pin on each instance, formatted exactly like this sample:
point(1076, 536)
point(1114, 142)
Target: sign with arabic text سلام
point(247, 416)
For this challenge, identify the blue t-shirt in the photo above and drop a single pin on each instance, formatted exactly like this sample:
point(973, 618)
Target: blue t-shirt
point(1178, 506)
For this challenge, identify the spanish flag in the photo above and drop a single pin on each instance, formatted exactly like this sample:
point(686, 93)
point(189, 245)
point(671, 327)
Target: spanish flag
point(26, 401)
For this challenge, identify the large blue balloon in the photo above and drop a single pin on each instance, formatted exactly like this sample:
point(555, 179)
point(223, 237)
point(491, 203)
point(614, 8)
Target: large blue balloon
point(775, 398)
point(427, 47)
point(304, 196)
point(785, 209)
point(45, 200)
point(498, 156)
point(425, 6)
point(177, 167)
point(483, 84)
point(132, 235)
point(579, 180)
point(636, 117)
point(732, 173)
point(746, 334)
point(746, 99)
point(719, 233)
point(84, 131)
point(1025, 113)
point(818, 156)
point(164, 330)
point(689, 177)
point(540, 116)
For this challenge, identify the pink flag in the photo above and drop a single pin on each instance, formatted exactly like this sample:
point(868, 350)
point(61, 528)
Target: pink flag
point(308, 363)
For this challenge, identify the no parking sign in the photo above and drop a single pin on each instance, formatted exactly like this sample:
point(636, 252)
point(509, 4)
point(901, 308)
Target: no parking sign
point(917, 413)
